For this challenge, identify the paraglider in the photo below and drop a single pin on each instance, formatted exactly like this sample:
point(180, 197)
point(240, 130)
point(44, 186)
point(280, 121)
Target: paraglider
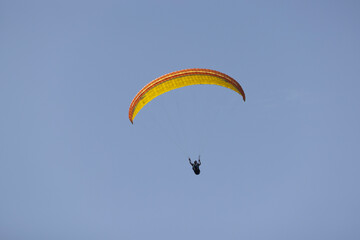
point(179, 79)
point(195, 166)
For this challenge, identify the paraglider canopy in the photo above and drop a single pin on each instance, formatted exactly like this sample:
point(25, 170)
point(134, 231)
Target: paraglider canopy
point(178, 79)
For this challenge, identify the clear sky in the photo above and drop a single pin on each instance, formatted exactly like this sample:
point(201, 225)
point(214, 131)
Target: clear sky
point(283, 165)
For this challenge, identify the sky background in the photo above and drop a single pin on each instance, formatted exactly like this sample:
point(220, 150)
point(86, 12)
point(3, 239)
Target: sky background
point(283, 165)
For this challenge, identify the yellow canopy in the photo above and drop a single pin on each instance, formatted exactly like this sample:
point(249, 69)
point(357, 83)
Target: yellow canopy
point(180, 79)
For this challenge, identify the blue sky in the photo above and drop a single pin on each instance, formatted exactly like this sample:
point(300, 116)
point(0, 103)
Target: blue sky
point(282, 165)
